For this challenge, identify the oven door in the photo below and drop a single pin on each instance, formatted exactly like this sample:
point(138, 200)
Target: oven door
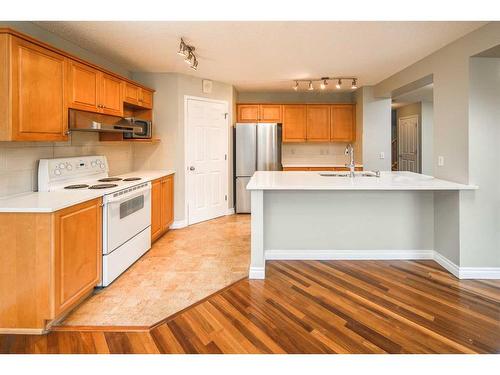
point(126, 213)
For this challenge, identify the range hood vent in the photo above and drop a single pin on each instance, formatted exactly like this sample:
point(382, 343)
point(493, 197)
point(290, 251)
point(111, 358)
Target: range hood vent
point(93, 122)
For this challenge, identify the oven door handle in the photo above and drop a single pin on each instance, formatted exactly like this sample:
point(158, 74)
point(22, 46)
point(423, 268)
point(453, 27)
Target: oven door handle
point(128, 196)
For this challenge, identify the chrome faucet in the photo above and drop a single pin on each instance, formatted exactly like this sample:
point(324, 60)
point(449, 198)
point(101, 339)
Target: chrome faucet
point(349, 150)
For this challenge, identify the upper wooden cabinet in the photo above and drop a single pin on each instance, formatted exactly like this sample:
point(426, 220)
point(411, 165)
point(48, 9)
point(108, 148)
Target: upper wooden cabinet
point(343, 122)
point(38, 83)
point(318, 123)
point(92, 90)
point(259, 113)
point(32, 92)
point(294, 123)
point(137, 96)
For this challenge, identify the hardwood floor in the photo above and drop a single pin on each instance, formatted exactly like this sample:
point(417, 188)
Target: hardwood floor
point(314, 307)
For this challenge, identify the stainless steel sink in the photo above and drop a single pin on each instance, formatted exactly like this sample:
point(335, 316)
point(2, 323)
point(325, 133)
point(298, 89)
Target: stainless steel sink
point(356, 174)
point(334, 174)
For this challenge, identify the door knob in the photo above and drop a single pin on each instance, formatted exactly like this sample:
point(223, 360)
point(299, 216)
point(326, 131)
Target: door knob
point(191, 168)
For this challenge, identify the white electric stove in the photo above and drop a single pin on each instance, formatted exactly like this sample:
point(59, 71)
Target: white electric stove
point(126, 210)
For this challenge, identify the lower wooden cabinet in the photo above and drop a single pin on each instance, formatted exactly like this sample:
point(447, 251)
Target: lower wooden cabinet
point(49, 262)
point(162, 206)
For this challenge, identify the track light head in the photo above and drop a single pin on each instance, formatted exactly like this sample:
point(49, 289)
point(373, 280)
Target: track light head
point(323, 84)
point(311, 87)
point(339, 84)
point(296, 86)
point(182, 48)
point(194, 66)
point(354, 85)
point(189, 59)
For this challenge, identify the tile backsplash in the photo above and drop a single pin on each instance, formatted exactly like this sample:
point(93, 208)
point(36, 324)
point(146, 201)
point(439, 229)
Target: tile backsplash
point(19, 160)
point(317, 153)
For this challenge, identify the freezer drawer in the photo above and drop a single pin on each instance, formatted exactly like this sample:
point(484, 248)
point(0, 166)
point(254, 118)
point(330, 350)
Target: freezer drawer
point(242, 195)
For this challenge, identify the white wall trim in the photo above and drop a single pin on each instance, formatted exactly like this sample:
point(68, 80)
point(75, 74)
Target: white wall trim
point(230, 211)
point(447, 264)
point(459, 272)
point(257, 273)
point(178, 224)
point(347, 254)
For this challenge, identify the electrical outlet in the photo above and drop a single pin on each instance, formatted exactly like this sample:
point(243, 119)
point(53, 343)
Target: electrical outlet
point(440, 161)
point(382, 155)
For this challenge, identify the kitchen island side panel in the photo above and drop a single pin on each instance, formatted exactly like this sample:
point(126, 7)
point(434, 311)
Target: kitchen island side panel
point(348, 220)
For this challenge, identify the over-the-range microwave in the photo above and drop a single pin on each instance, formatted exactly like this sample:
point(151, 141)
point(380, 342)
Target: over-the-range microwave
point(142, 128)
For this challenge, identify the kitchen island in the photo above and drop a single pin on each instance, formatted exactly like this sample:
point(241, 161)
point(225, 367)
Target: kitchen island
point(327, 215)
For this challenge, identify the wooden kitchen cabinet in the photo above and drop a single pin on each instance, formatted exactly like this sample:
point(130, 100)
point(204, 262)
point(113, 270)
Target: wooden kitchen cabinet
point(137, 96)
point(49, 262)
point(92, 90)
point(162, 206)
point(32, 92)
point(248, 112)
point(270, 113)
point(343, 122)
point(318, 123)
point(294, 123)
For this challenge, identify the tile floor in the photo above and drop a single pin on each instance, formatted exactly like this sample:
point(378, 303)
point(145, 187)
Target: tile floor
point(182, 267)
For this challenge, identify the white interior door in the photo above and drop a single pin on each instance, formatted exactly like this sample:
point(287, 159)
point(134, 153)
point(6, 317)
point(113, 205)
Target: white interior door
point(206, 159)
point(408, 144)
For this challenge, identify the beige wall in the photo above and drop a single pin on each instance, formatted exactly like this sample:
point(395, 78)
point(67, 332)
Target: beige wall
point(19, 160)
point(171, 88)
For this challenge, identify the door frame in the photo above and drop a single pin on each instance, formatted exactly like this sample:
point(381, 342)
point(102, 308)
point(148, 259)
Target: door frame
point(186, 149)
point(419, 142)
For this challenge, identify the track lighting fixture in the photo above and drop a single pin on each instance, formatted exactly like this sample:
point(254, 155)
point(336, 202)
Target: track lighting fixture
point(323, 82)
point(187, 52)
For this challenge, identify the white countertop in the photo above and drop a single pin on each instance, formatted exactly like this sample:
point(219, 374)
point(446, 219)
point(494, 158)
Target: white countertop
point(54, 201)
point(313, 181)
point(314, 165)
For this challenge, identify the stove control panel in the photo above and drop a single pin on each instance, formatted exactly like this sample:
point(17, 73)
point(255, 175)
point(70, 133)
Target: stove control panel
point(50, 171)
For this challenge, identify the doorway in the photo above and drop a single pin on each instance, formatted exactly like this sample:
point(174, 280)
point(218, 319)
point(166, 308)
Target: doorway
point(206, 145)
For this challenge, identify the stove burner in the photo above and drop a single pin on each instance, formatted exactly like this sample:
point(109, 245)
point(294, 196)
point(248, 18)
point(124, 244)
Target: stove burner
point(103, 186)
point(110, 179)
point(79, 186)
point(132, 179)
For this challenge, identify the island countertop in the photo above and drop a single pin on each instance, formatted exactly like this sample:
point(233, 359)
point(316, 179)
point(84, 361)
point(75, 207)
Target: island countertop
point(291, 180)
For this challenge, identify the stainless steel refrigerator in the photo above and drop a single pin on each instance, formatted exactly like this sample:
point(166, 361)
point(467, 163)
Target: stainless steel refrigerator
point(257, 148)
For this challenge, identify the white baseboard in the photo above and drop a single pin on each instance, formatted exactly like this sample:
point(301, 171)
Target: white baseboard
point(459, 272)
point(447, 264)
point(257, 273)
point(347, 254)
point(230, 211)
point(178, 224)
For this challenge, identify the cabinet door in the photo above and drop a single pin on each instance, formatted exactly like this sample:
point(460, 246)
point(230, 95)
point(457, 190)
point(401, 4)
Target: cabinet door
point(156, 208)
point(78, 252)
point(294, 123)
point(38, 93)
point(343, 122)
point(318, 123)
point(111, 99)
point(167, 192)
point(83, 87)
point(131, 93)
point(248, 112)
point(146, 98)
point(270, 113)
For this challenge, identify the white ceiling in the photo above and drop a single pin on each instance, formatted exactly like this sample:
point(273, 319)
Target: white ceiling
point(256, 56)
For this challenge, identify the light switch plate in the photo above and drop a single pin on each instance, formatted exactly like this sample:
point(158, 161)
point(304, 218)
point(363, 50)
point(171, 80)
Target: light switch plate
point(382, 155)
point(440, 161)
point(207, 86)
